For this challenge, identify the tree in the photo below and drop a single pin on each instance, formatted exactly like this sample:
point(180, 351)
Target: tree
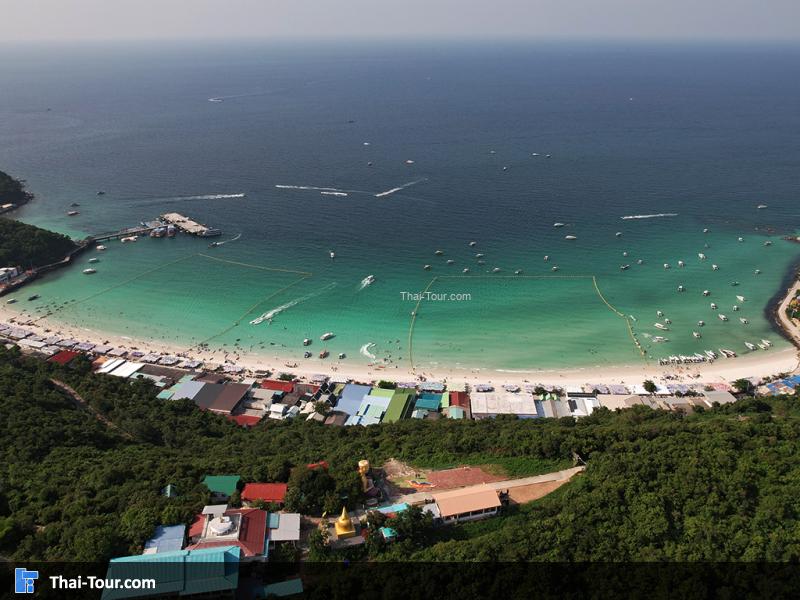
point(650, 386)
point(743, 386)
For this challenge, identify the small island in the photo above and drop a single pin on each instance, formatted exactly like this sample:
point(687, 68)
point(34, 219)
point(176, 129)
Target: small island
point(12, 193)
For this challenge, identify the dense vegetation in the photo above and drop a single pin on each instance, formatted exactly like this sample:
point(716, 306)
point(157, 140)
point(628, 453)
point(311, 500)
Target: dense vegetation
point(723, 484)
point(28, 246)
point(12, 191)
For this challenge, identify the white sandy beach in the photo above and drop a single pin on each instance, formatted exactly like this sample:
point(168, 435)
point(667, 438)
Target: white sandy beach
point(754, 364)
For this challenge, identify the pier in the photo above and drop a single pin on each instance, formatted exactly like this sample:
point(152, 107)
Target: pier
point(127, 232)
point(190, 226)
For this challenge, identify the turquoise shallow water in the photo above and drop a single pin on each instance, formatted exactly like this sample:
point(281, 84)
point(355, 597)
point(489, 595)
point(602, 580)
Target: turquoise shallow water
point(703, 133)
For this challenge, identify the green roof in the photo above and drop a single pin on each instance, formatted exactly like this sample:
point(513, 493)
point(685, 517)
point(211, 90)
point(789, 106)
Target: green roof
point(181, 572)
point(374, 411)
point(376, 391)
point(165, 394)
point(445, 400)
point(222, 484)
point(284, 588)
point(399, 407)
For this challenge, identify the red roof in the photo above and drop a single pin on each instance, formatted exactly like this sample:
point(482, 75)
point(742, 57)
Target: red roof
point(459, 399)
point(252, 533)
point(245, 420)
point(63, 357)
point(323, 464)
point(268, 492)
point(196, 528)
point(280, 386)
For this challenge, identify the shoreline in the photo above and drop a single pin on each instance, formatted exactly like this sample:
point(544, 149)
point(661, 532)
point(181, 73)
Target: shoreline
point(758, 364)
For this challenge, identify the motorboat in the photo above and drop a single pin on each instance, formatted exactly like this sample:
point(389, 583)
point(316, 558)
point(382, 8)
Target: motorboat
point(618, 234)
point(324, 354)
point(701, 323)
point(659, 314)
point(472, 244)
point(761, 206)
point(546, 257)
point(661, 326)
point(213, 244)
point(558, 224)
point(100, 248)
point(570, 237)
point(713, 306)
point(307, 355)
point(740, 298)
point(342, 355)
point(741, 239)
point(743, 320)
point(481, 262)
point(727, 353)
point(640, 262)
point(768, 243)
point(89, 271)
point(762, 346)
point(701, 256)
point(659, 339)
point(722, 317)
point(668, 321)
point(518, 272)
point(711, 354)
point(480, 255)
point(706, 293)
point(465, 270)
point(555, 268)
point(625, 254)
point(750, 346)
point(666, 265)
point(681, 263)
point(101, 193)
point(332, 254)
point(94, 260)
point(11, 301)
point(496, 270)
point(735, 307)
point(681, 288)
point(451, 262)
point(705, 230)
point(130, 238)
point(757, 271)
point(697, 334)
point(715, 267)
point(327, 336)
point(624, 267)
point(767, 343)
point(427, 267)
point(307, 342)
point(32, 298)
point(72, 213)
point(368, 280)
point(439, 252)
point(734, 283)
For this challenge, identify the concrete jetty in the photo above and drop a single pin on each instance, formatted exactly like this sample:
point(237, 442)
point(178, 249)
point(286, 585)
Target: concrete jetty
point(190, 226)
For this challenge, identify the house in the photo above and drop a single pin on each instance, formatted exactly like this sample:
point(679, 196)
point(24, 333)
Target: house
point(212, 572)
point(222, 487)
point(351, 397)
point(245, 528)
point(274, 493)
point(467, 504)
point(278, 385)
point(7, 274)
point(283, 527)
point(400, 406)
point(166, 539)
point(718, 396)
point(490, 404)
point(221, 398)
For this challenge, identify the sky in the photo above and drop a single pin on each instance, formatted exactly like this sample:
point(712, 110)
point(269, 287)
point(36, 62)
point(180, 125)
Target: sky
point(84, 20)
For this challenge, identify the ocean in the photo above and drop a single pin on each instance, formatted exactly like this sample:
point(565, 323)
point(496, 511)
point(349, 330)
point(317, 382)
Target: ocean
point(419, 148)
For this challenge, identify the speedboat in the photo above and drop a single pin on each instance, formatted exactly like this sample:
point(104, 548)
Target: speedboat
point(705, 230)
point(94, 260)
point(438, 252)
point(701, 256)
point(666, 265)
point(518, 272)
point(570, 237)
point(661, 326)
point(72, 213)
point(734, 283)
point(696, 334)
point(640, 262)
point(743, 320)
point(715, 267)
point(713, 306)
point(768, 243)
point(624, 267)
point(750, 346)
point(324, 354)
point(706, 293)
point(659, 313)
point(762, 346)
point(658, 339)
point(32, 298)
point(558, 224)
point(496, 270)
point(740, 298)
point(735, 307)
point(681, 288)
point(465, 270)
point(101, 193)
point(668, 321)
point(307, 342)
point(342, 355)
point(326, 336)
point(451, 262)
point(546, 257)
point(741, 239)
point(625, 254)
point(761, 206)
point(89, 271)
point(722, 317)
point(213, 244)
point(101, 247)
point(472, 244)
point(767, 343)
point(306, 354)
point(757, 271)
point(332, 254)
point(555, 268)
point(11, 301)
point(427, 267)
point(480, 255)
point(701, 323)
point(618, 234)
point(681, 263)
point(368, 280)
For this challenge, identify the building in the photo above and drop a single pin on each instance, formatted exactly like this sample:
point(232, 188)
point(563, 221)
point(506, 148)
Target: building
point(221, 487)
point(274, 493)
point(215, 572)
point(221, 398)
point(245, 528)
point(166, 539)
point(400, 406)
point(467, 504)
point(490, 404)
point(7, 274)
point(351, 397)
point(283, 528)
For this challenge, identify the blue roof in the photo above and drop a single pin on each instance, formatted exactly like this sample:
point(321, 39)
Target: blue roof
point(428, 402)
point(166, 539)
point(388, 533)
point(351, 398)
point(273, 520)
point(182, 572)
point(394, 508)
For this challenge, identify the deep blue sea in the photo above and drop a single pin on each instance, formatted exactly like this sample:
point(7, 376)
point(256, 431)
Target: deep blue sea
point(505, 139)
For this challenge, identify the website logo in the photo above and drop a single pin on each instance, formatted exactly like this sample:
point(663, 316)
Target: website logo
point(24, 580)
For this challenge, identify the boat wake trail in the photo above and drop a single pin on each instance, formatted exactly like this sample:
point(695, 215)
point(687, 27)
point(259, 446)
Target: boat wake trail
point(326, 193)
point(365, 350)
point(368, 280)
point(310, 187)
point(233, 239)
point(655, 216)
point(399, 188)
point(271, 314)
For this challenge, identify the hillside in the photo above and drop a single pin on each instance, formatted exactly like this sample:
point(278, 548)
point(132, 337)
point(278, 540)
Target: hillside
point(12, 191)
point(29, 246)
point(720, 485)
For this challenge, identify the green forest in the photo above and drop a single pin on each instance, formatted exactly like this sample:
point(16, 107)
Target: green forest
point(29, 246)
point(12, 191)
point(721, 484)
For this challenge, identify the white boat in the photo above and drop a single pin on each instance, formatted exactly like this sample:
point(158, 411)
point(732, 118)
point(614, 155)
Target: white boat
point(89, 271)
point(715, 267)
point(94, 260)
point(701, 256)
point(696, 334)
point(659, 313)
point(761, 206)
point(661, 326)
point(668, 321)
point(472, 244)
point(681, 288)
point(11, 301)
point(740, 298)
point(722, 317)
point(666, 265)
point(618, 234)
point(762, 346)
point(409, 162)
point(326, 336)
point(451, 261)
point(131, 238)
point(546, 257)
point(658, 339)
point(768, 243)
point(558, 224)
point(735, 307)
point(706, 293)
point(624, 267)
point(750, 346)
point(438, 252)
point(705, 230)
point(342, 355)
point(701, 323)
point(518, 272)
point(332, 254)
point(479, 255)
point(625, 254)
point(427, 267)
point(368, 280)
point(465, 270)
point(307, 342)
point(640, 262)
point(570, 237)
point(757, 271)
point(741, 239)
point(555, 268)
point(681, 263)
point(711, 354)
point(743, 321)
point(767, 343)
point(496, 270)
point(713, 306)
point(101, 247)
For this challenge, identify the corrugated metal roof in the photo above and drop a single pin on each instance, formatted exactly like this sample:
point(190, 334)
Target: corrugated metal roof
point(458, 502)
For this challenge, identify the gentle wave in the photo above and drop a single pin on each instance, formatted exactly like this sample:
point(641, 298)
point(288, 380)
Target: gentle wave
point(655, 216)
point(271, 314)
point(365, 350)
point(399, 188)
